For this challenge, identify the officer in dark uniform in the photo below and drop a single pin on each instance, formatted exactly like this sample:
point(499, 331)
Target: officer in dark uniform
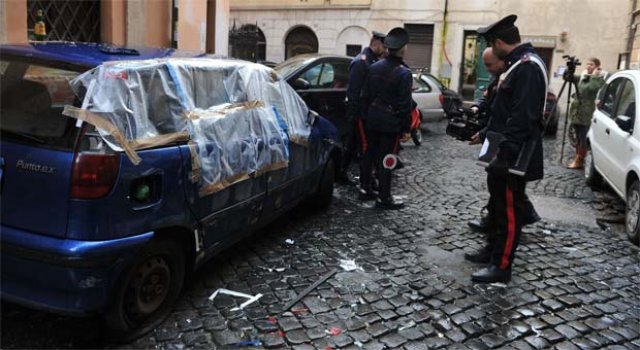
point(358, 71)
point(482, 108)
point(388, 116)
point(517, 112)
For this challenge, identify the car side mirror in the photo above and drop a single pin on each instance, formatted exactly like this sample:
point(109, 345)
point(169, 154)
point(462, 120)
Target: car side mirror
point(301, 84)
point(625, 123)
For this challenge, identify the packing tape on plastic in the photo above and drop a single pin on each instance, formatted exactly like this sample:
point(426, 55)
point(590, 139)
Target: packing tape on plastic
point(232, 107)
point(129, 147)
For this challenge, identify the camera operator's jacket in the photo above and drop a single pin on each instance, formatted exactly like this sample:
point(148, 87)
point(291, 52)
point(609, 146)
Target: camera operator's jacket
point(517, 109)
point(582, 109)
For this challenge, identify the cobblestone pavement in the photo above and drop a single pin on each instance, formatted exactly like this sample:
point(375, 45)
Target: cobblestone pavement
point(576, 285)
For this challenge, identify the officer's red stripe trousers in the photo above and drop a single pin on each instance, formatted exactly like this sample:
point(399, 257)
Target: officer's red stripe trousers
point(511, 229)
point(363, 136)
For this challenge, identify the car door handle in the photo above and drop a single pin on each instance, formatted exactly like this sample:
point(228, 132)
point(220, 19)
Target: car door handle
point(607, 131)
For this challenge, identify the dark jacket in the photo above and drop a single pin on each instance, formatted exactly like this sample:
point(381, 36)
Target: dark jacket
point(358, 71)
point(518, 109)
point(388, 96)
point(484, 105)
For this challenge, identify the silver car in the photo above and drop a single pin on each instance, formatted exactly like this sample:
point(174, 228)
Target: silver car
point(431, 95)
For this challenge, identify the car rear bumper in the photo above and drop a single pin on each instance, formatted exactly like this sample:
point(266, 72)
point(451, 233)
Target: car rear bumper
point(63, 276)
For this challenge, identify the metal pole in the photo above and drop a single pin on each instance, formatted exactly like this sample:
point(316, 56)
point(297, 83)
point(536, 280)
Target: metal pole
point(566, 119)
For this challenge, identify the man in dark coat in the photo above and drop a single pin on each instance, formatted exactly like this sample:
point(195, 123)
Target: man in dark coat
point(358, 71)
point(388, 116)
point(517, 112)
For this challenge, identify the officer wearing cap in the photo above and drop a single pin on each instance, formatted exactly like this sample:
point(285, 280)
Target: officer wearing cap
point(387, 115)
point(358, 71)
point(517, 111)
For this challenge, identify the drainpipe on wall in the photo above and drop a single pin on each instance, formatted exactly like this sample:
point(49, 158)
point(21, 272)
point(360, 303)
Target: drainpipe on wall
point(444, 74)
point(632, 34)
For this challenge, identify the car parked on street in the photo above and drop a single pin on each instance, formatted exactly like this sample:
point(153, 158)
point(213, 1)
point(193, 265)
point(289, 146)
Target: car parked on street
point(87, 231)
point(614, 144)
point(434, 99)
point(322, 80)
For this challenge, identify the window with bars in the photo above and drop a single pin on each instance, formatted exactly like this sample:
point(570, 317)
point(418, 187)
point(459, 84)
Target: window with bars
point(67, 20)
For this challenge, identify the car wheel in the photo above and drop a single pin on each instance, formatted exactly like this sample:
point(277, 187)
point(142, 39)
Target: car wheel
point(632, 217)
point(416, 136)
point(146, 291)
point(324, 194)
point(591, 175)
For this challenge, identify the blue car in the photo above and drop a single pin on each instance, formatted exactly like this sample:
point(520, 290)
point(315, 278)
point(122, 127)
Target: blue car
point(85, 231)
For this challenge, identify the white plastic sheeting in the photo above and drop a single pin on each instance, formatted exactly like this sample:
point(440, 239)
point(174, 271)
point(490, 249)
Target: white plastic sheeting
point(240, 116)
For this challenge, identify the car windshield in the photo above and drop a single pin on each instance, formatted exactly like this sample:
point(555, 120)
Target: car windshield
point(291, 65)
point(31, 103)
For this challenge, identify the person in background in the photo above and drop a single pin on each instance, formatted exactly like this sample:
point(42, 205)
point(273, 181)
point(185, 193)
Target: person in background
point(358, 72)
point(583, 105)
point(388, 116)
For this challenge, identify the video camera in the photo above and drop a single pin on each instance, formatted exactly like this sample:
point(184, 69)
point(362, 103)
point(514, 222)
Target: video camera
point(572, 63)
point(463, 124)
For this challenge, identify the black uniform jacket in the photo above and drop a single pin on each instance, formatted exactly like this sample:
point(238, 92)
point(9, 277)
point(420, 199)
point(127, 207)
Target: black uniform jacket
point(358, 71)
point(517, 110)
point(388, 96)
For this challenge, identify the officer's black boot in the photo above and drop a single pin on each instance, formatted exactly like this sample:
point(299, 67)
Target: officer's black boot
point(389, 203)
point(482, 256)
point(530, 214)
point(492, 274)
point(481, 225)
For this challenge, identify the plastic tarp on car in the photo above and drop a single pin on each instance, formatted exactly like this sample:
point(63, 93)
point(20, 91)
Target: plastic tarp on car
point(239, 116)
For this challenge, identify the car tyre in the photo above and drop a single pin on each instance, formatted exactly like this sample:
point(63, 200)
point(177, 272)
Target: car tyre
point(416, 136)
point(146, 291)
point(632, 212)
point(591, 175)
point(324, 193)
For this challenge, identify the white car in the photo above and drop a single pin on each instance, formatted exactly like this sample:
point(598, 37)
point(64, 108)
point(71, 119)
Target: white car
point(614, 139)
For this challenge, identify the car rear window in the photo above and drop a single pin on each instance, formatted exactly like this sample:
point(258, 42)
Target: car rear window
point(32, 98)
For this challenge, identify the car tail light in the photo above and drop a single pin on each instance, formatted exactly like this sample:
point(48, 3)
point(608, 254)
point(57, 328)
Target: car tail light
point(94, 174)
point(441, 98)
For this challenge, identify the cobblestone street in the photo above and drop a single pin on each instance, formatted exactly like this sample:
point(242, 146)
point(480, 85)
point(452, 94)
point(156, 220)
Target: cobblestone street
point(576, 283)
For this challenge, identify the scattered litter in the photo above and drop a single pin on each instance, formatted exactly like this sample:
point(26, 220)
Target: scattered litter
point(334, 331)
point(536, 331)
point(440, 335)
point(498, 285)
point(271, 269)
point(358, 344)
point(408, 325)
point(348, 211)
point(546, 232)
point(251, 298)
point(300, 310)
point(188, 320)
point(349, 265)
point(307, 290)
point(289, 241)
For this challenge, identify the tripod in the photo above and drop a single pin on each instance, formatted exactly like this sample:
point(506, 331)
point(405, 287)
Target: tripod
point(571, 83)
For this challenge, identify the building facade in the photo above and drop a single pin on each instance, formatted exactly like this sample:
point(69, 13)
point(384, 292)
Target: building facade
point(443, 38)
point(195, 25)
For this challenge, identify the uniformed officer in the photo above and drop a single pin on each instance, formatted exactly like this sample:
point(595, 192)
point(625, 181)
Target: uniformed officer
point(358, 71)
point(517, 112)
point(482, 107)
point(388, 116)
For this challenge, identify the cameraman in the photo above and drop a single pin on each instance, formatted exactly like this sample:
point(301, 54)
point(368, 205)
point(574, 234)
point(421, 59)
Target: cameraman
point(582, 107)
point(495, 67)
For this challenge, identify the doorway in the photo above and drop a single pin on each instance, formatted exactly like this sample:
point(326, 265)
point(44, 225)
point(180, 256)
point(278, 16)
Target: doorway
point(469, 66)
point(300, 40)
